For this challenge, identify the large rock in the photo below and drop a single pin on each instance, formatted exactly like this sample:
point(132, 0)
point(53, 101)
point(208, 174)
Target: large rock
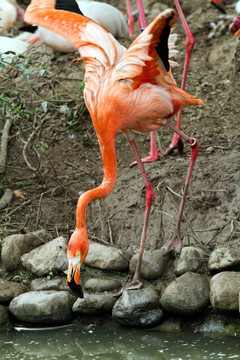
point(107, 257)
point(101, 285)
point(5, 320)
point(57, 283)
point(153, 264)
point(224, 291)
point(14, 246)
point(43, 307)
point(94, 304)
point(9, 290)
point(187, 295)
point(50, 256)
point(138, 308)
point(192, 258)
point(224, 258)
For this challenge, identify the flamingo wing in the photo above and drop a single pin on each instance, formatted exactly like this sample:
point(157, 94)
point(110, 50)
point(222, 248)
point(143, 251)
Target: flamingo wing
point(147, 59)
point(91, 39)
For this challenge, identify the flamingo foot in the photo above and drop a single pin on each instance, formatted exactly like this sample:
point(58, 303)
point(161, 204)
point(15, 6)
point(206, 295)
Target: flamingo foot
point(133, 285)
point(150, 158)
point(175, 144)
point(174, 243)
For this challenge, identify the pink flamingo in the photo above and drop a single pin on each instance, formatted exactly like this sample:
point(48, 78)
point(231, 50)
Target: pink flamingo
point(124, 90)
point(189, 44)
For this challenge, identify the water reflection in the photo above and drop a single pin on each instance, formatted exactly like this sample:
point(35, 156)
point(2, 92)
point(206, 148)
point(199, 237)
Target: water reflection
point(109, 342)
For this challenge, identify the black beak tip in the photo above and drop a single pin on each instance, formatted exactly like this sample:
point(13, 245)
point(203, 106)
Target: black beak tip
point(76, 289)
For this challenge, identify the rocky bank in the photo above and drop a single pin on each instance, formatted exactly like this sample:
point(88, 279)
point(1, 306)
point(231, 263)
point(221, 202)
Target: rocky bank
point(204, 290)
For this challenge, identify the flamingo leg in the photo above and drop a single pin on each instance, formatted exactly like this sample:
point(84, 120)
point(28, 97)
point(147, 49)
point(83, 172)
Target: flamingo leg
point(131, 20)
point(174, 242)
point(189, 44)
point(136, 281)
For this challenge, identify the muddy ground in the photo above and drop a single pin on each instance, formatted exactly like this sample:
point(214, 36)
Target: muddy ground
point(53, 153)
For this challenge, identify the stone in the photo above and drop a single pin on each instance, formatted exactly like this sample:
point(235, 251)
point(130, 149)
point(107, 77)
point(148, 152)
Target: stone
point(43, 307)
point(94, 304)
point(169, 325)
point(50, 256)
point(101, 285)
point(224, 291)
point(10, 289)
point(192, 258)
point(224, 258)
point(5, 320)
point(138, 308)
point(57, 283)
point(153, 264)
point(220, 324)
point(14, 246)
point(187, 295)
point(107, 257)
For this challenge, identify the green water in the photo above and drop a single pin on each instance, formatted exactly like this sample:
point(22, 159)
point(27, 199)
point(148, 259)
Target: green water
point(106, 341)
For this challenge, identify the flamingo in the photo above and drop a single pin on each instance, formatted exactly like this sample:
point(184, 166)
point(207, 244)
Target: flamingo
point(12, 46)
point(124, 90)
point(176, 142)
point(9, 10)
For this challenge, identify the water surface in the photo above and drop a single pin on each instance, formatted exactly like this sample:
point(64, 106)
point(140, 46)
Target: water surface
point(110, 342)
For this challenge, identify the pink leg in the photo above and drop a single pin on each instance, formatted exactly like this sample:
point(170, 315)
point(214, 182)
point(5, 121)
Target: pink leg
point(189, 44)
point(20, 13)
point(174, 242)
point(131, 21)
point(33, 39)
point(136, 281)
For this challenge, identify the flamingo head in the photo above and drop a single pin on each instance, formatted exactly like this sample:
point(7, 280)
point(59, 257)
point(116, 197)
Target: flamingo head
point(77, 252)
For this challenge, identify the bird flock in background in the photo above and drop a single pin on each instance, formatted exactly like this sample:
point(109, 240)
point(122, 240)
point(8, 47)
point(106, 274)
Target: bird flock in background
point(125, 89)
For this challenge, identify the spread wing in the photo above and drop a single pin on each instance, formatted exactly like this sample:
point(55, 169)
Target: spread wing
point(147, 59)
point(91, 39)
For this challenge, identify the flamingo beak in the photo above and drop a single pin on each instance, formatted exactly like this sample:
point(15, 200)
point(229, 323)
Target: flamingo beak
point(74, 277)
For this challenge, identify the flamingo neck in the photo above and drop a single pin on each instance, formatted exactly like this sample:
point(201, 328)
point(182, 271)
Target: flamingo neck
point(109, 180)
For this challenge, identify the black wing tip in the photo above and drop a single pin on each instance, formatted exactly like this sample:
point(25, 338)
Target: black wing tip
point(76, 289)
point(68, 5)
point(28, 28)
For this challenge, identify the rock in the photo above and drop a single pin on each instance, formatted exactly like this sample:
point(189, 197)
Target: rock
point(14, 246)
point(4, 317)
point(192, 258)
point(52, 255)
point(224, 258)
point(94, 304)
point(187, 295)
point(107, 257)
point(138, 308)
point(43, 307)
point(10, 289)
point(220, 325)
point(57, 283)
point(153, 264)
point(224, 291)
point(169, 325)
point(101, 285)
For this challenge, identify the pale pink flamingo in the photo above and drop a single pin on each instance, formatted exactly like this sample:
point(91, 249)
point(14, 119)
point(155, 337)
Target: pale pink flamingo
point(124, 90)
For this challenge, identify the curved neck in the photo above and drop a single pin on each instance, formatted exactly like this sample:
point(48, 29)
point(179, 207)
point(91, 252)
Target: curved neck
point(109, 180)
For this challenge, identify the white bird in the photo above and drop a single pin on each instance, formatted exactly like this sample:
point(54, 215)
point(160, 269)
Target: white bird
point(237, 7)
point(9, 10)
point(9, 47)
point(8, 14)
point(104, 14)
